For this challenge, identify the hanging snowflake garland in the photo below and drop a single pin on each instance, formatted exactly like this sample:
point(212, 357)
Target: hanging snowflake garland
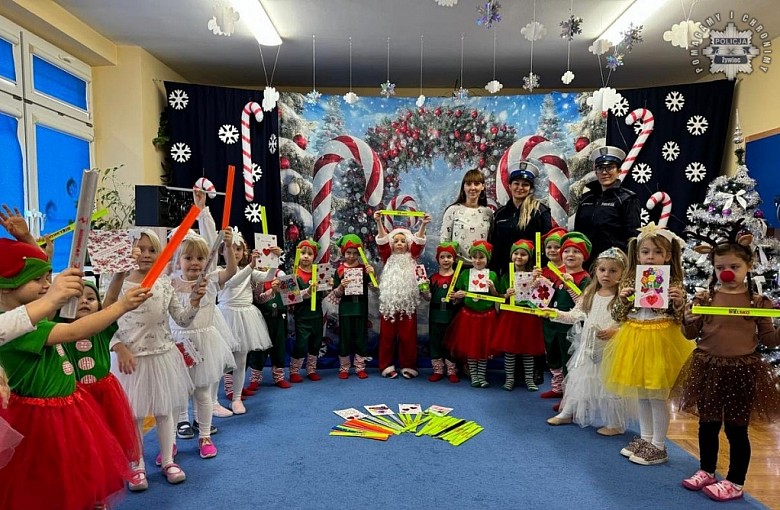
point(567, 77)
point(270, 97)
point(489, 13)
point(420, 101)
point(494, 86)
point(178, 99)
point(313, 97)
point(531, 82)
point(387, 89)
point(571, 27)
point(253, 213)
point(614, 61)
point(351, 98)
point(631, 37)
point(228, 134)
point(534, 31)
point(461, 94)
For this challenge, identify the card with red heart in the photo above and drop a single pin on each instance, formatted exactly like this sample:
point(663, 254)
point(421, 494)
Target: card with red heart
point(263, 245)
point(288, 289)
point(478, 280)
point(652, 286)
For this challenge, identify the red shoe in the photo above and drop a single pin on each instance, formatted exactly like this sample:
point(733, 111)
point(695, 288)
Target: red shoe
point(296, 378)
point(229, 396)
point(313, 376)
point(453, 378)
point(434, 377)
point(551, 394)
point(281, 383)
point(362, 374)
point(343, 375)
point(557, 407)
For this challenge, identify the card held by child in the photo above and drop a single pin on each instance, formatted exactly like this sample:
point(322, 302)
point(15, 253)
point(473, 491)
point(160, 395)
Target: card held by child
point(189, 352)
point(652, 286)
point(325, 274)
point(478, 280)
point(110, 251)
point(288, 290)
point(263, 245)
point(354, 277)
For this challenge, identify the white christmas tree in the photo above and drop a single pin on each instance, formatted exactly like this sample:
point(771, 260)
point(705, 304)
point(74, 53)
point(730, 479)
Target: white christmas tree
point(550, 125)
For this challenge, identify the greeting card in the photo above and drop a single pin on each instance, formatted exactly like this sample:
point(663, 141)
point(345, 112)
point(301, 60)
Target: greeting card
point(263, 245)
point(439, 410)
point(652, 287)
point(379, 410)
point(110, 251)
point(354, 277)
point(189, 352)
point(288, 289)
point(409, 408)
point(325, 274)
point(350, 413)
point(478, 280)
point(542, 292)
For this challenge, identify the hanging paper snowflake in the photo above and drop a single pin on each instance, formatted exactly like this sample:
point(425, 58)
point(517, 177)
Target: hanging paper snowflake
point(690, 212)
point(670, 151)
point(447, 3)
point(461, 94)
point(695, 172)
point(257, 172)
point(631, 37)
point(420, 101)
point(614, 61)
point(620, 108)
point(224, 20)
point(488, 14)
point(567, 77)
point(533, 31)
point(531, 82)
point(180, 152)
point(313, 97)
point(642, 173)
point(599, 46)
point(571, 27)
point(686, 33)
point(228, 134)
point(272, 144)
point(644, 216)
point(253, 213)
point(270, 97)
point(178, 99)
point(674, 101)
point(388, 89)
point(351, 98)
point(494, 86)
point(697, 125)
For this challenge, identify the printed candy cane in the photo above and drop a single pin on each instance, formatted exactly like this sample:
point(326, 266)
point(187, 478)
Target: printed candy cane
point(251, 108)
point(666, 203)
point(648, 122)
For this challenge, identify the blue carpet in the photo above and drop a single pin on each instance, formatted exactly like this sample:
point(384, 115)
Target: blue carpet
point(279, 454)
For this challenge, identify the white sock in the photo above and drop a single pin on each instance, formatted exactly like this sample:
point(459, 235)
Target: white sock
point(660, 422)
point(139, 424)
point(239, 374)
point(214, 388)
point(645, 420)
point(204, 405)
point(165, 436)
point(184, 415)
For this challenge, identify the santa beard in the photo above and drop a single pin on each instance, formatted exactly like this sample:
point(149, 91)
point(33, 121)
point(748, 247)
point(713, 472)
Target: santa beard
point(398, 291)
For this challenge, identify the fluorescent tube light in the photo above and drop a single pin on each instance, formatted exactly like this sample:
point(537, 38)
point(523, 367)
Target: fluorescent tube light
point(636, 13)
point(258, 22)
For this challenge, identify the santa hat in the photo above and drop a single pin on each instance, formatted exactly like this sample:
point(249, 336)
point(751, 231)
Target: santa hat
point(577, 240)
point(555, 234)
point(522, 244)
point(20, 263)
point(401, 231)
point(310, 244)
point(447, 247)
point(349, 241)
point(481, 246)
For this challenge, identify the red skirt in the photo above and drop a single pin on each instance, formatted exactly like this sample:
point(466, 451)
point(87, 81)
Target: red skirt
point(470, 333)
point(111, 399)
point(518, 333)
point(68, 459)
point(9, 440)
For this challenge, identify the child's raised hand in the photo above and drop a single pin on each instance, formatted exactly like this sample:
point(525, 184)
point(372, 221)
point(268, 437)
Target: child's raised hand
point(369, 269)
point(625, 293)
point(136, 254)
point(228, 233)
point(47, 246)
point(133, 298)
point(253, 258)
point(566, 277)
point(677, 297)
point(14, 223)
point(66, 285)
point(125, 359)
point(537, 273)
point(377, 216)
point(199, 198)
point(276, 251)
point(426, 219)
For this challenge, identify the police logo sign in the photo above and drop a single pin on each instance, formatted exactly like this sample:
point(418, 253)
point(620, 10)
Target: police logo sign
point(731, 51)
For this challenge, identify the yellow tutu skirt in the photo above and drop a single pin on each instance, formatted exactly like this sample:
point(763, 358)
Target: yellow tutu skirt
point(643, 359)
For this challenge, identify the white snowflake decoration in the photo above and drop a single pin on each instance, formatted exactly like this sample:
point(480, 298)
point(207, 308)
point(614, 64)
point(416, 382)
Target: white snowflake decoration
point(272, 144)
point(257, 172)
point(253, 213)
point(178, 99)
point(642, 173)
point(494, 86)
point(351, 98)
point(697, 125)
point(461, 94)
point(420, 101)
point(620, 108)
point(644, 217)
point(690, 213)
point(695, 172)
point(670, 151)
point(313, 97)
point(180, 152)
point(675, 101)
point(567, 77)
point(228, 134)
point(533, 31)
point(638, 127)
point(531, 82)
point(270, 97)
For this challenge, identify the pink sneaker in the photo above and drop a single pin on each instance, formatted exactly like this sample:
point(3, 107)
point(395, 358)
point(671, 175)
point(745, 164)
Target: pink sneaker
point(158, 460)
point(722, 491)
point(207, 448)
point(699, 480)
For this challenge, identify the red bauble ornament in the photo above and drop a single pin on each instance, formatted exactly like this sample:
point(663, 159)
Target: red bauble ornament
point(482, 148)
point(458, 113)
point(394, 153)
point(284, 163)
point(292, 233)
point(408, 115)
point(580, 143)
point(474, 114)
point(493, 130)
point(437, 111)
point(482, 162)
point(416, 135)
point(467, 137)
point(300, 141)
point(456, 134)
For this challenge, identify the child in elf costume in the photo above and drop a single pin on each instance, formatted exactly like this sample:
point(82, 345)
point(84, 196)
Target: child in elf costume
point(269, 300)
point(353, 310)
point(308, 322)
point(575, 250)
point(441, 313)
point(399, 297)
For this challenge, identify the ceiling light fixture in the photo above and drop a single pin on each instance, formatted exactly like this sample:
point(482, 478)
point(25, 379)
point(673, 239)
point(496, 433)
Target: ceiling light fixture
point(258, 22)
point(635, 14)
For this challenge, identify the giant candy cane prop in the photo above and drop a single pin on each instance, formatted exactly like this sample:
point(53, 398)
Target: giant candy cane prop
point(341, 148)
point(648, 122)
point(251, 108)
point(666, 204)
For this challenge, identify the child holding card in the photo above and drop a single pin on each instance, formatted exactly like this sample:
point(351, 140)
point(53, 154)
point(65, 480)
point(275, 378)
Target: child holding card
point(350, 284)
point(725, 381)
point(399, 296)
point(441, 313)
point(518, 333)
point(308, 322)
point(575, 250)
point(472, 328)
point(643, 359)
point(268, 298)
point(552, 249)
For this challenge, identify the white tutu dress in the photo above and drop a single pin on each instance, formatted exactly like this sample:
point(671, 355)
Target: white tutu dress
point(243, 318)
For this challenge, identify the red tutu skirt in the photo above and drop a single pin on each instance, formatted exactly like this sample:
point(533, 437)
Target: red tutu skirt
point(68, 460)
point(111, 399)
point(9, 440)
point(470, 333)
point(518, 333)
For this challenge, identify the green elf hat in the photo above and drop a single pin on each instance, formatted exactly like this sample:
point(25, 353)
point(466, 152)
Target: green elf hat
point(577, 240)
point(522, 244)
point(447, 247)
point(90, 284)
point(349, 241)
point(555, 234)
point(20, 263)
point(481, 246)
point(311, 244)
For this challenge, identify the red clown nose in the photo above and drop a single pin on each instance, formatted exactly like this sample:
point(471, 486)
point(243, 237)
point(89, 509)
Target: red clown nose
point(726, 276)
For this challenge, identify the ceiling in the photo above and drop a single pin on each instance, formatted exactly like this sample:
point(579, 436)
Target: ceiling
point(175, 32)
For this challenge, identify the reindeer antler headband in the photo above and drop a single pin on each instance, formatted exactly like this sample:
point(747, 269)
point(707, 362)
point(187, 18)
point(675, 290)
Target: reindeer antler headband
point(733, 234)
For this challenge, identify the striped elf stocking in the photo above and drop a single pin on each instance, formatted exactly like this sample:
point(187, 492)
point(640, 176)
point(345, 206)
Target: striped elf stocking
point(472, 364)
point(481, 372)
point(228, 382)
point(509, 370)
point(528, 368)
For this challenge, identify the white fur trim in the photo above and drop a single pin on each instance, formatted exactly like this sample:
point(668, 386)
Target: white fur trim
point(409, 372)
point(403, 231)
point(386, 372)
